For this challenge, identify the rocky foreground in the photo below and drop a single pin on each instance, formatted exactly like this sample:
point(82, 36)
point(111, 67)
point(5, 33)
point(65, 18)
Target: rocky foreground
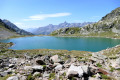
point(91, 66)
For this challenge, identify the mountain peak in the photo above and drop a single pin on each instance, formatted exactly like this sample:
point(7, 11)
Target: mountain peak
point(65, 22)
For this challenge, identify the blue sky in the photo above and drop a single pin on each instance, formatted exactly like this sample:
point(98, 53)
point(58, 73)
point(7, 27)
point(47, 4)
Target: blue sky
point(37, 13)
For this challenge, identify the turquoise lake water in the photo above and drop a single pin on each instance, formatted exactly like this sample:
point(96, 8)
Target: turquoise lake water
point(63, 43)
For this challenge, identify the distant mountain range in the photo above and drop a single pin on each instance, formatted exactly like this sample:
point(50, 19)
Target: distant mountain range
point(50, 28)
point(8, 29)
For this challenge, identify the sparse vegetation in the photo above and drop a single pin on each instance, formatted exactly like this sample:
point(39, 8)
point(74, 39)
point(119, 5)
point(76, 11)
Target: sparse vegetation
point(99, 65)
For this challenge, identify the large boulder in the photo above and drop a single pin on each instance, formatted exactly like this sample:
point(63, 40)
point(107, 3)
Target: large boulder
point(79, 71)
point(86, 69)
point(58, 67)
point(55, 59)
point(37, 68)
point(75, 71)
point(40, 62)
point(27, 68)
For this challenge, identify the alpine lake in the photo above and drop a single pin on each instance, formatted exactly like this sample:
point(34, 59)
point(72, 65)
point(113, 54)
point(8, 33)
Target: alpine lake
point(62, 43)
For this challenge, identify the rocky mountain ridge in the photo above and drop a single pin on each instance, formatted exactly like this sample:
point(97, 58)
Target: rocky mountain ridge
point(109, 23)
point(14, 28)
point(8, 29)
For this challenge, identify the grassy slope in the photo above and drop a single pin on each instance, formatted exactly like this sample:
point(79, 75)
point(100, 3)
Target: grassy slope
point(108, 34)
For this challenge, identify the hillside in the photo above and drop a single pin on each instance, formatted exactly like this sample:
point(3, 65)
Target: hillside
point(50, 28)
point(108, 26)
point(13, 27)
point(7, 31)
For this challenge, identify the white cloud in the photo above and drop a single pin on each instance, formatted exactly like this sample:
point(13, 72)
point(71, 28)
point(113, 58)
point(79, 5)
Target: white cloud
point(23, 26)
point(44, 16)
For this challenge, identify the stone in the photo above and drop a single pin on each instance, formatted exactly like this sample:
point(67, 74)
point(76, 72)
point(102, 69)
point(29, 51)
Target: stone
point(11, 65)
point(58, 67)
point(27, 67)
point(98, 76)
point(36, 73)
point(55, 59)
point(13, 78)
point(85, 69)
point(23, 78)
point(98, 57)
point(91, 78)
point(75, 70)
point(2, 74)
point(1, 61)
point(40, 62)
point(46, 75)
point(37, 68)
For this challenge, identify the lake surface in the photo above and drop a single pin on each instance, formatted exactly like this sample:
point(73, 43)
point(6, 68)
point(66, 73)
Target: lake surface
point(66, 43)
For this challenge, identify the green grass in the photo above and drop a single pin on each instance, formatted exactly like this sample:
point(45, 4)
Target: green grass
point(52, 76)
point(99, 65)
point(5, 78)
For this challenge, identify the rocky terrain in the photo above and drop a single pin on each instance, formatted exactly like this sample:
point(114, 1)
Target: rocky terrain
point(50, 28)
point(59, 64)
point(108, 26)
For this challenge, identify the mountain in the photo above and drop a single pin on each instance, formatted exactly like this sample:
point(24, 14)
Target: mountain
point(50, 28)
point(108, 24)
point(13, 27)
point(8, 29)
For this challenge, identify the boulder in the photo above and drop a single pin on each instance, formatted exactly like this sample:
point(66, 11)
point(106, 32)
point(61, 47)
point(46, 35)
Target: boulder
point(55, 59)
point(58, 67)
point(37, 68)
point(11, 65)
point(2, 74)
point(1, 61)
point(91, 78)
point(85, 69)
point(46, 75)
point(13, 78)
point(36, 73)
point(75, 71)
point(27, 67)
point(40, 62)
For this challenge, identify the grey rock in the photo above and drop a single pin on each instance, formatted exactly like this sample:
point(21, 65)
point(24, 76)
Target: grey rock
point(40, 62)
point(2, 74)
point(27, 67)
point(74, 70)
point(37, 68)
point(55, 58)
point(58, 67)
point(46, 75)
point(11, 65)
point(13, 78)
point(85, 69)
